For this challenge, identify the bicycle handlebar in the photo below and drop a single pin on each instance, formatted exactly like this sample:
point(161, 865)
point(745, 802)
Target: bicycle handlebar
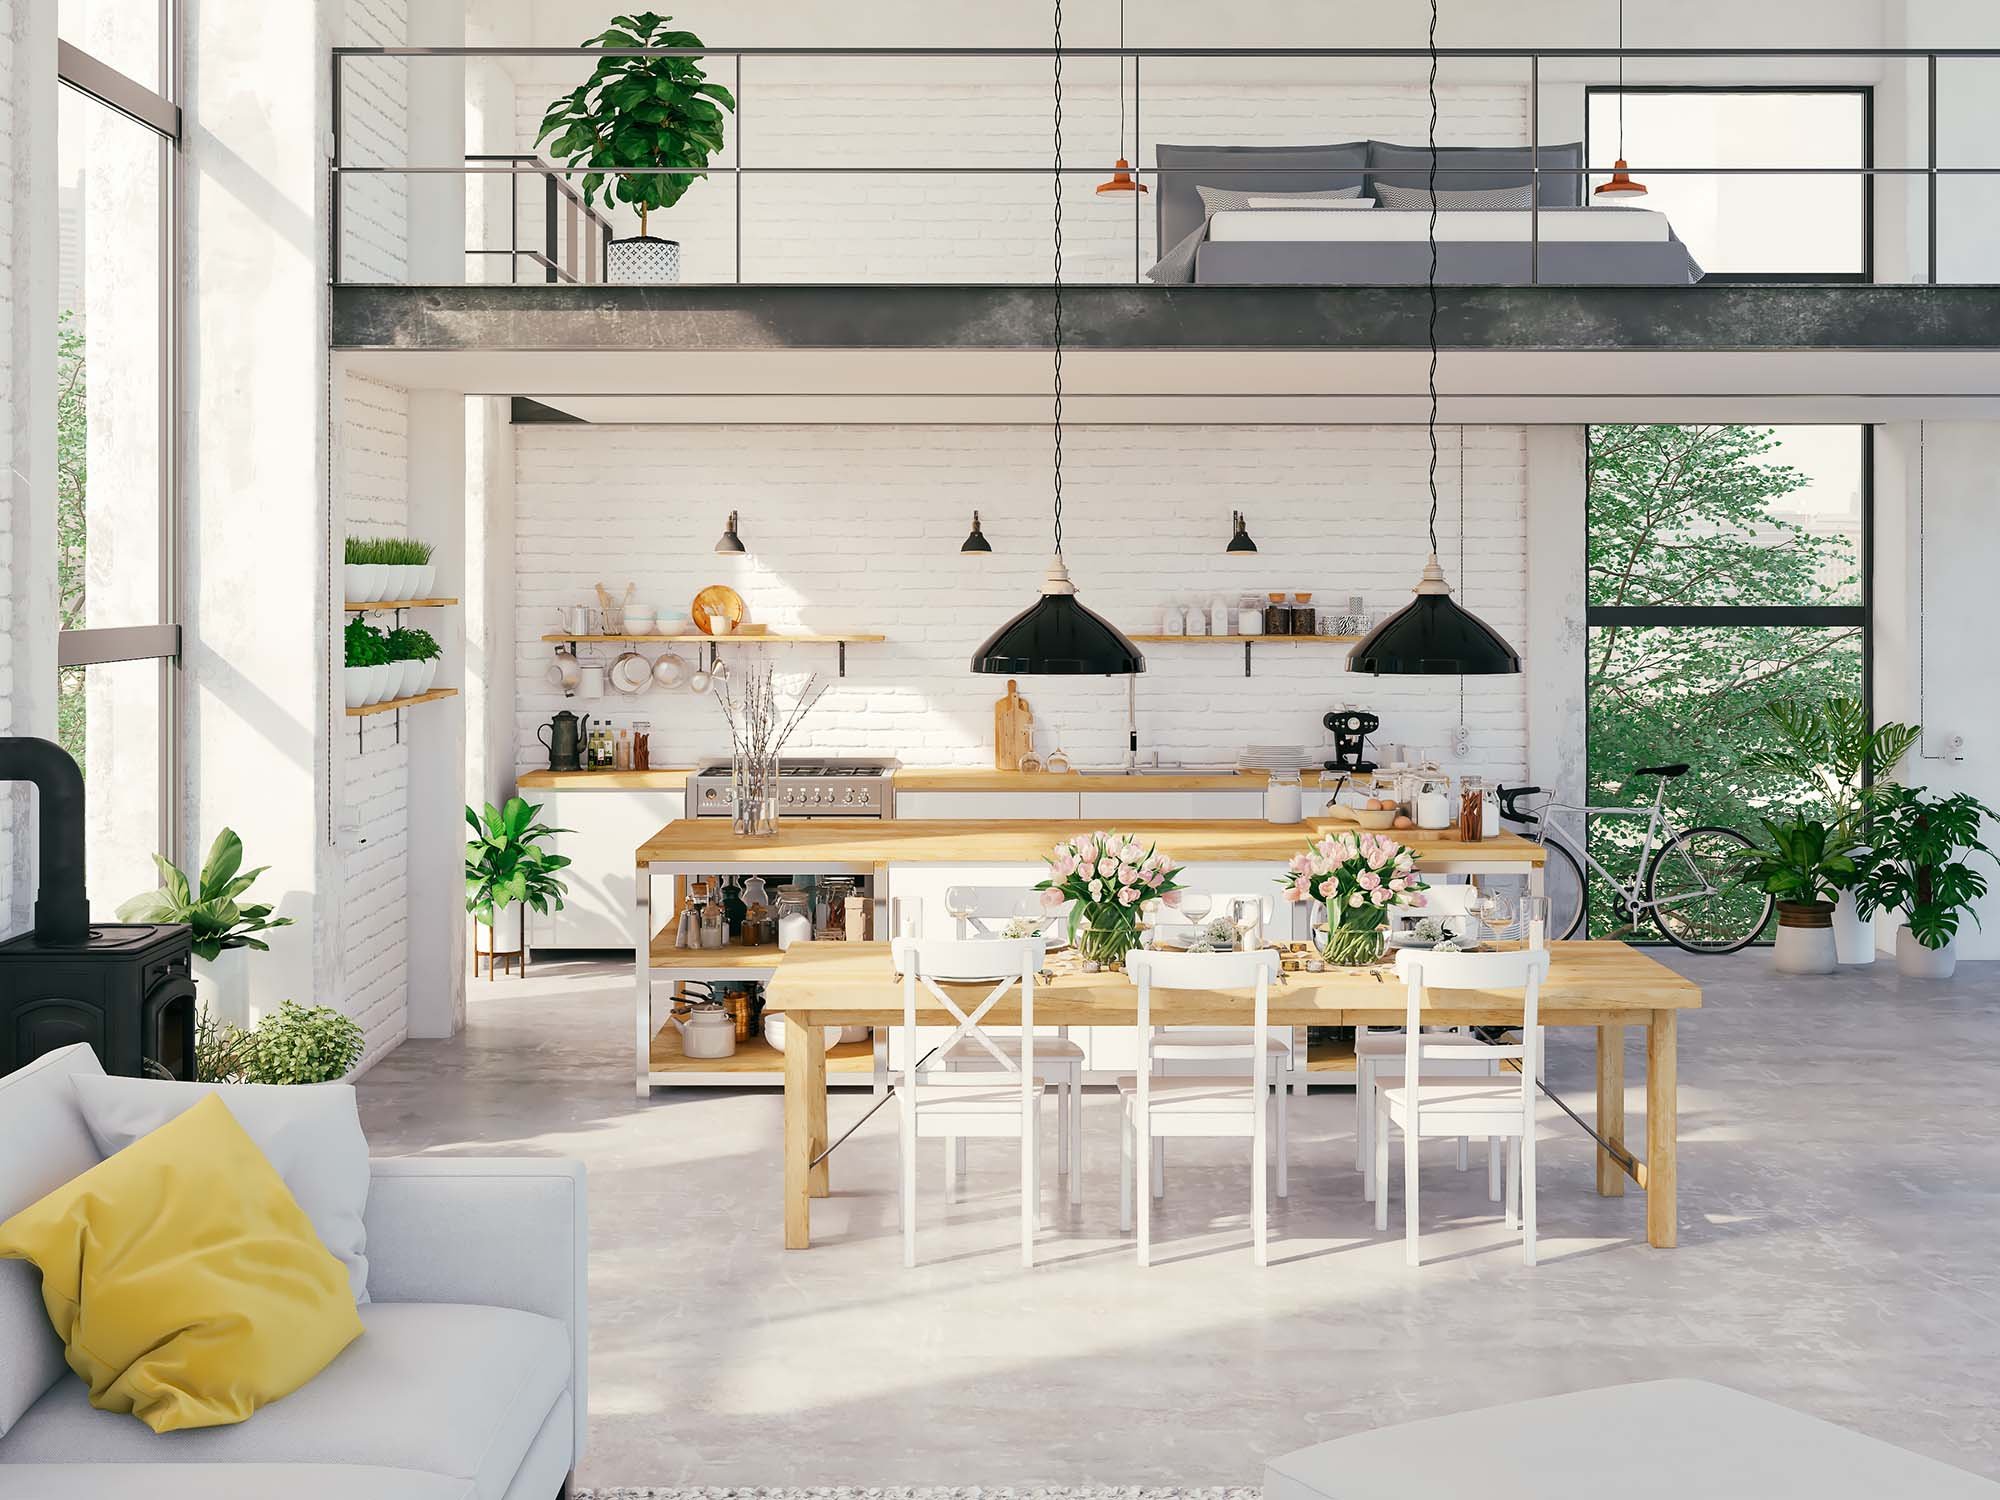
point(1509, 811)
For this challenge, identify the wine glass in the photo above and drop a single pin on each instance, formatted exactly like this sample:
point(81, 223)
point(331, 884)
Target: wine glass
point(1196, 905)
point(961, 901)
point(1496, 910)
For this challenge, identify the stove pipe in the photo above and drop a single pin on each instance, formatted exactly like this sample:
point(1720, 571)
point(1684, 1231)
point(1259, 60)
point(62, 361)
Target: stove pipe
point(62, 911)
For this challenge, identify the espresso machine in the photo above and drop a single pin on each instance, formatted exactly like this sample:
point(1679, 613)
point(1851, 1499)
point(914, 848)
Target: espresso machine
point(1350, 728)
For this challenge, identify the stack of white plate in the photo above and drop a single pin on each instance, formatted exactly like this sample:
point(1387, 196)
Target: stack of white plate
point(1274, 758)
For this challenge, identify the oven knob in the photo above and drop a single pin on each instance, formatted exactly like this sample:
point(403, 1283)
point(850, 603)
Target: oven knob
point(708, 795)
point(848, 796)
point(865, 798)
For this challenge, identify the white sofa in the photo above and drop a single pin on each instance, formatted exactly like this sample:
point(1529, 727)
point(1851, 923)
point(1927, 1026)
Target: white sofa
point(468, 1383)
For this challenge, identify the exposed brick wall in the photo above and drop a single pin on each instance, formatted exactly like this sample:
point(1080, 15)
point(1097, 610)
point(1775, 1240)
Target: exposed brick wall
point(375, 131)
point(373, 779)
point(12, 858)
point(859, 528)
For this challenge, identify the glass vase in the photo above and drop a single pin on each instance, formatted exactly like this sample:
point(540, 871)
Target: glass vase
point(1106, 936)
point(1357, 942)
point(753, 783)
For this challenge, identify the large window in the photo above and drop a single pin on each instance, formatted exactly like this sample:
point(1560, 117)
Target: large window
point(1742, 224)
point(1728, 567)
point(117, 135)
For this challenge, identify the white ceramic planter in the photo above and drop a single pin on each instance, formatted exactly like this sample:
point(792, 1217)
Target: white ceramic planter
point(1803, 950)
point(355, 682)
point(374, 580)
point(354, 579)
point(429, 678)
point(1915, 961)
point(409, 578)
point(383, 687)
point(411, 675)
point(426, 580)
point(1853, 934)
point(222, 985)
point(504, 936)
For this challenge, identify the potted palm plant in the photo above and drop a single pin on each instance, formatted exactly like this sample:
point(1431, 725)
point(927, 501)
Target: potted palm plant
point(657, 113)
point(1913, 865)
point(507, 870)
point(1805, 870)
point(222, 926)
point(1829, 747)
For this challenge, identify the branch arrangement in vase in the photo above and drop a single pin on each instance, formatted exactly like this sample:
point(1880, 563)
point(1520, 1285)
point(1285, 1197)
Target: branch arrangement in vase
point(760, 726)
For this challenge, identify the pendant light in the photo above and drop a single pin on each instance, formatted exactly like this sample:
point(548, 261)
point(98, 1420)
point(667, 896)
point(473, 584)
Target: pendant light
point(1431, 635)
point(1056, 635)
point(1240, 541)
point(1622, 183)
point(730, 541)
point(976, 542)
point(1121, 179)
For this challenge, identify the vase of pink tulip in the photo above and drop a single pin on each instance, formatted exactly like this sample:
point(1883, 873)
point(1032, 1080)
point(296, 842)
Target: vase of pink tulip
point(1360, 878)
point(1106, 878)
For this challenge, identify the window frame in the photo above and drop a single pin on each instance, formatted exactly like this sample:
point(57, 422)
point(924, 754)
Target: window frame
point(1866, 92)
point(158, 111)
point(1725, 615)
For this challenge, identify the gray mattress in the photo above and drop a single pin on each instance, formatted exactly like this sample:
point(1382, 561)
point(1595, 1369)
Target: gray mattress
point(1309, 263)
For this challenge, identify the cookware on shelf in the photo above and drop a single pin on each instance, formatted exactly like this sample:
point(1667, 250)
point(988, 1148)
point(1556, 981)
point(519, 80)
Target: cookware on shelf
point(631, 673)
point(718, 610)
point(670, 671)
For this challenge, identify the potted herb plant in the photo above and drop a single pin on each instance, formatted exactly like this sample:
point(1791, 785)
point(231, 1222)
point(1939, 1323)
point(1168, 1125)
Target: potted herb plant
point(1804, 868)
point(1107, 877)
point(507, 869)
point(658, 113)
point(1914, 866)
point(222, 926)
point(419, 650)
point(1829, 747)
point(366, 678)
point(293, 1044)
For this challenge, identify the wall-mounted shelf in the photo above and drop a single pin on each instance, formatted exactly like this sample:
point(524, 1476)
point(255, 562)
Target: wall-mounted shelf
point(390, 705)
point(353, 608)
point(1248, 642)
point(758, 638)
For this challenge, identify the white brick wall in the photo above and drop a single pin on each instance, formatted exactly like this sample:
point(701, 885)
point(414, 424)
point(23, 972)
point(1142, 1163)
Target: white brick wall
point(10, 799)
point(859, 528)
point(375, 131)
point(374, 781)
point(982, 227)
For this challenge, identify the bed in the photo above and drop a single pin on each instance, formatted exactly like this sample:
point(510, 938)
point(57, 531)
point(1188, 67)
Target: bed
point(1358, 214)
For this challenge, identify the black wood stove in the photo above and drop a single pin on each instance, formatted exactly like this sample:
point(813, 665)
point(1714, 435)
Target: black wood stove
point(123, 987)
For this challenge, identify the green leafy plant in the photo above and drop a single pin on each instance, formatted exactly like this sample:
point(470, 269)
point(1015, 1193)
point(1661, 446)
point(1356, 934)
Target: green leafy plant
point(1829, 747)
point(366, 645)
point(412, 645)
point(294, 1044)
point(1913, 862)
point(394, 550)
point(209, 904)
point(1802, 865)
point(505, 863)
point(656, 112)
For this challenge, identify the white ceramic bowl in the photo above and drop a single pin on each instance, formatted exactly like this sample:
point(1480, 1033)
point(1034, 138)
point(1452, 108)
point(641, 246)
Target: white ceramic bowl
point(674, 625)
point(641, 619)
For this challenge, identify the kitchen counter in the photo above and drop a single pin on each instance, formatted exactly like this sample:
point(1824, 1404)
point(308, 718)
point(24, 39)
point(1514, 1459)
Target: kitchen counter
point(665, 779)
point(945, 779)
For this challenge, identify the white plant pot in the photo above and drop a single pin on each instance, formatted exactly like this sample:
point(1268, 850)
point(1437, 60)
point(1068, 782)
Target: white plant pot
point(643, 258)
point(375, 579)
point(384, 687)
point(1803, 950)
point(413, 677)
point(408, 577)
point(354, 580)
point(1915, 961)
point(354, 683)
point(1853, 934)
point(222, 985)
point(426, 580)
point(504, 936)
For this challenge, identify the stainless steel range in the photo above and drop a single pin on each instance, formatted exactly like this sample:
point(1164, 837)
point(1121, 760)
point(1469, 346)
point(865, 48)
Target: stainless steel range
point(815, 787)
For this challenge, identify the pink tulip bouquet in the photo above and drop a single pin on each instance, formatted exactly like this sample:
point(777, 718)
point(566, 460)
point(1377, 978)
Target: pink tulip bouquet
point(1360, 878)
point(1107, 877)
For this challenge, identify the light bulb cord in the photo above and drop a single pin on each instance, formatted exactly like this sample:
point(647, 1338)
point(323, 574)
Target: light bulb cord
point(1621, 80)
point(1433, 280)
point(1056, 425)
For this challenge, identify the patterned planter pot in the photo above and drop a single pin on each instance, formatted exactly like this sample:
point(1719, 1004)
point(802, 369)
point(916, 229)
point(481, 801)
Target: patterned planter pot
point(643, 258)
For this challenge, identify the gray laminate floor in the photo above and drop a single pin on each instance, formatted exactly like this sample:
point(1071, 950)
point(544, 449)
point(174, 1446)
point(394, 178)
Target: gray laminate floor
point(1840, 1205)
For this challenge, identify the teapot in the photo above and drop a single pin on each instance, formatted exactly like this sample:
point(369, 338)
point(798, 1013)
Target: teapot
point(563, 737)
point(707, 1030)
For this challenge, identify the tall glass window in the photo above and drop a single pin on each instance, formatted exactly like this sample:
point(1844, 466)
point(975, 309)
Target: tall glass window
point(1728, 567)
point(118, 137)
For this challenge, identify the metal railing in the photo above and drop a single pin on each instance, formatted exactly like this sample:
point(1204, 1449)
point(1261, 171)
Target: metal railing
point(586, 250)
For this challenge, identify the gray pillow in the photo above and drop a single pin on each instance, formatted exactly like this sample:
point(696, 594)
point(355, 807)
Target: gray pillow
point(1500, 197)
point(1263, 169)
point(1216, 200)
point(1505, 167)
point(311, 1134)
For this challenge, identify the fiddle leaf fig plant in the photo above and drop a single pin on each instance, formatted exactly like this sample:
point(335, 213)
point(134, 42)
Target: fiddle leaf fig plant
point(651, 112)
point(505, 863)
point(208, 903)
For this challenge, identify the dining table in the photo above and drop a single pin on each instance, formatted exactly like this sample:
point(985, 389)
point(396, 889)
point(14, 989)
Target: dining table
point(1606, 987)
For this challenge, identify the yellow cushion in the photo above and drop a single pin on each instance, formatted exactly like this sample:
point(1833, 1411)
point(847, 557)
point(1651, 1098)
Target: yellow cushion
point(184, 1279)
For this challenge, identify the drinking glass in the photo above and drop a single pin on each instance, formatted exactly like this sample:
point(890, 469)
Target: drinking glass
point(1535, 920)
point(1247, 916)
point(960, 901)
point(1496, 910)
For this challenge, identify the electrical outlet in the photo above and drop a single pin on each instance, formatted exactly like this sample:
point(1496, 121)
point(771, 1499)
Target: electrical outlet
point(1461, 742)
point(1954, 747)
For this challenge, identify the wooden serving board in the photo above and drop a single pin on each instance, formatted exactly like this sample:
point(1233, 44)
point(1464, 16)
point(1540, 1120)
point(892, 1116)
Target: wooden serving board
point(1013, 729)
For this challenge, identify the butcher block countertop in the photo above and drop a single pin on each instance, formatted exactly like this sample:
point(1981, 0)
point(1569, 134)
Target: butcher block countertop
point(668, 779)
point(1024, 840)
point(942, 779)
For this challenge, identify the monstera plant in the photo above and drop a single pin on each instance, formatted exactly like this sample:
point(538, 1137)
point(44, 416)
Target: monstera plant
point(642, 129)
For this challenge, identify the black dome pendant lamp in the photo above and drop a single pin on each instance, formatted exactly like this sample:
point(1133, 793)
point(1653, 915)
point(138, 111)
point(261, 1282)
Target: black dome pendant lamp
point(1431, 636)
point(1057, 636)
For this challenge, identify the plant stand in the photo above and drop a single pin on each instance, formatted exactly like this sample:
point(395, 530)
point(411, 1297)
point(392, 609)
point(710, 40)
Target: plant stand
point(498, 958)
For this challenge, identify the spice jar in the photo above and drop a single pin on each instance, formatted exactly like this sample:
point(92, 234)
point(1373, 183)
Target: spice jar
point(1277, 615)
point(1471, 809)
point(1305, 619)
point(1249, 616)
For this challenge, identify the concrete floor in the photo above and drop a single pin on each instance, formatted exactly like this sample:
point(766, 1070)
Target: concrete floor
point(1840, 1201)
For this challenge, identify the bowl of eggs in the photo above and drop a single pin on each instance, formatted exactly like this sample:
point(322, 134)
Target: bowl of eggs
point(1373, 813)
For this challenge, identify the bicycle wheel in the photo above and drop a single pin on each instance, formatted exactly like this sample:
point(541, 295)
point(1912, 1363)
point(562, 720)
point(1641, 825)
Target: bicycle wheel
point(1562, 882)
point(1693, 895)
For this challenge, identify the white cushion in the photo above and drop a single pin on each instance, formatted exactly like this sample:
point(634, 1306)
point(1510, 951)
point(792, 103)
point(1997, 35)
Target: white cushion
point(443, 1389)
point(1445, 1098)
point(45, 1144)
point(1199, 1041)
point(166, 1480)
point(1193, 1093)
point(1654, 1440)
point(310, 1132)
point(1048, 1049)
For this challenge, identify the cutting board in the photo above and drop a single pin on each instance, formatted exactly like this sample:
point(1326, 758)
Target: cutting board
point(1013, 729)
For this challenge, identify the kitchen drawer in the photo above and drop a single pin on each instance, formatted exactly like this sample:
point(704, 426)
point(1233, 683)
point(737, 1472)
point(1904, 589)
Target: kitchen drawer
point(1229, 806)
point(1130, 807)
point(980, 805)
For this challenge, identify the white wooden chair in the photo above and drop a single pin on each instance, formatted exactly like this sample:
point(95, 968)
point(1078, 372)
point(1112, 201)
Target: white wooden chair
point(1459, 1106)
point(951, 1106)
point(1159, 1104)
point(1378, 1051)
point(1058, 1060)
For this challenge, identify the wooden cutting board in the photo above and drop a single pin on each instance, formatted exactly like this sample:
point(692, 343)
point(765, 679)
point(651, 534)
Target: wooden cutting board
point(1013, 729)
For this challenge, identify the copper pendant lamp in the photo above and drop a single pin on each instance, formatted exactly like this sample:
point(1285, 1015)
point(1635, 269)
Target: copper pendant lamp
point(1122, 179)
point(1622, 184)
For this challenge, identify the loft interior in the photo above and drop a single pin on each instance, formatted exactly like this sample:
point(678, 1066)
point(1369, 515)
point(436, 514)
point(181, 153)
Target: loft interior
point(1274, 725)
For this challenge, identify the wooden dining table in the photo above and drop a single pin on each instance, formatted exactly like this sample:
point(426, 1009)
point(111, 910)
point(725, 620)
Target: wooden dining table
point(1604, 986)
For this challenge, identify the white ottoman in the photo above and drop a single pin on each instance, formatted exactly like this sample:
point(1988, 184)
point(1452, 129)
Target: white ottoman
point(1656, 1440)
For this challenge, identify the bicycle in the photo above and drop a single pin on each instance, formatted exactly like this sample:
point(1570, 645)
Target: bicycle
point(1684, 878)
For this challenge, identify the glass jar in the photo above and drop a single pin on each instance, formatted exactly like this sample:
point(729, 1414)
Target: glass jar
point(835, 889)
point(1284, 801)
point(1305, 619)
point(794, 915)
point(1277, 615)
point(1471, 809)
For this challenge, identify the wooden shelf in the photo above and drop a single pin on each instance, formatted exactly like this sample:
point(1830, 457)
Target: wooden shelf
point(1330, 1057)
point(392, 704)
point(354, 609)
point(1247, 640)
point(755, 1056)
point(767, 638)
point(662, 954)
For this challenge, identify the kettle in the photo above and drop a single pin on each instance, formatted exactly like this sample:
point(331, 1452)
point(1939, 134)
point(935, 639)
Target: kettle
point(707, 1030)
point(563, 737)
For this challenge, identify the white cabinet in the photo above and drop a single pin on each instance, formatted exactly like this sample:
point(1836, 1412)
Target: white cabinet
point(1226, 806)
point(1132, 807)
point(981, 805)
point(602, 832)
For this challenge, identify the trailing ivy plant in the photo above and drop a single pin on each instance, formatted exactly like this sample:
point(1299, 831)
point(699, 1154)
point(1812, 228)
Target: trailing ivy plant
point(208, 904)
point(654, 112)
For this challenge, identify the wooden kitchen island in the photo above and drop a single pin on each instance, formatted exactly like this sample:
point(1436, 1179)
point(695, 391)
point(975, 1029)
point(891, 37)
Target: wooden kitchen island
point(906, 864)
